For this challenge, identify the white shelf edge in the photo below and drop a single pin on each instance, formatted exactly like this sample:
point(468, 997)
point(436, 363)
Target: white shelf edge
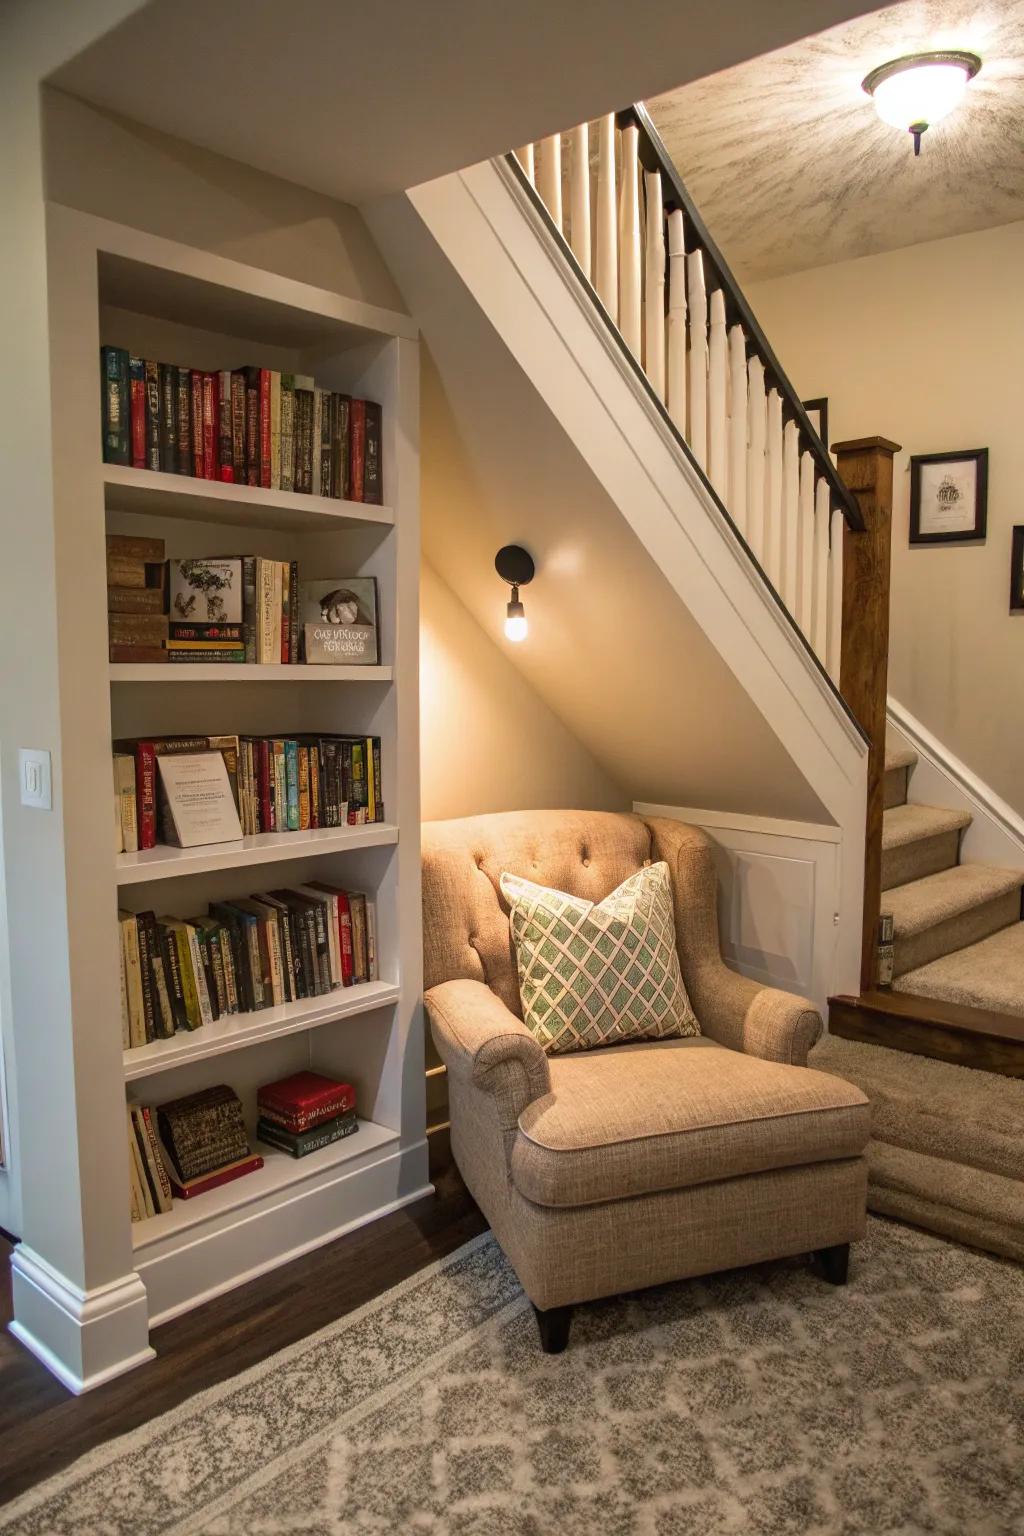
point(155, 493)
point(280, 1172)
point(243, 672)
point(164, 863)
point(239, 1030)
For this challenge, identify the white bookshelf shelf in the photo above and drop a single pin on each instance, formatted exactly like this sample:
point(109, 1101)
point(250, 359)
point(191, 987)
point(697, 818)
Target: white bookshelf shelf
point(165, 863)
point(279, 1173)
point(242, 1029)
point(151, 493)
point(243, 672)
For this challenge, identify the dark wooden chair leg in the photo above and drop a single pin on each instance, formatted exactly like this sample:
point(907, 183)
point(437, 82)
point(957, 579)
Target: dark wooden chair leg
point(834, 1263)
point(554, 1328)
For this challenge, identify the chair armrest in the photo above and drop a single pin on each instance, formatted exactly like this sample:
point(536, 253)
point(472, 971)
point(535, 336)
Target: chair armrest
point(733, 1010)
point(482, 1043)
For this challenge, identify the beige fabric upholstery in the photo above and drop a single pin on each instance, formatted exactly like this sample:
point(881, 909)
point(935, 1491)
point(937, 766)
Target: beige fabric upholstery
point(613, 1169)
point(631, 1119)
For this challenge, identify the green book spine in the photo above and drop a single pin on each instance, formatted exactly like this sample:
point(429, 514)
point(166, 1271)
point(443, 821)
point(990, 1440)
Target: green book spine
point(116, 405)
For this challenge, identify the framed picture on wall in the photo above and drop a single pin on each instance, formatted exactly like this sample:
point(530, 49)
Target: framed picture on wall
point(948, 496)
point(1017, 571)
point(817, 415)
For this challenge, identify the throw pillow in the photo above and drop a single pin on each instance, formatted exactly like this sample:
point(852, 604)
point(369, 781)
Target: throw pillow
point(596, 974)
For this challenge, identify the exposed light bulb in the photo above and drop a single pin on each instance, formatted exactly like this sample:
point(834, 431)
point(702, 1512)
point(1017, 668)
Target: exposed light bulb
point(915, 92)
point(516, 627)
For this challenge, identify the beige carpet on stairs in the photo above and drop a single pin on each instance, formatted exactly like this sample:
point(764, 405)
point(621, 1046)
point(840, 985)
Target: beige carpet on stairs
point(947, 1144)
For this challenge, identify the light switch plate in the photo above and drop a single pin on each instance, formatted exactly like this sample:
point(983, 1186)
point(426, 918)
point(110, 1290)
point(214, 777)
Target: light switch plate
point(34, 776)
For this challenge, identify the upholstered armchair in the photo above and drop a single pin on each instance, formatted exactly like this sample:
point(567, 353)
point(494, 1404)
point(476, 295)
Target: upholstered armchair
point(607, 1170)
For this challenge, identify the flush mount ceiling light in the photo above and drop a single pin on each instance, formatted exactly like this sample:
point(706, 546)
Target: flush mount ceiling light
point(916, 91)
point(515, 566)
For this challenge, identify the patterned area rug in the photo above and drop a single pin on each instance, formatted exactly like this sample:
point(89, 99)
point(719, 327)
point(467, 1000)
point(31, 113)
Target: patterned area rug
point(757, 1403)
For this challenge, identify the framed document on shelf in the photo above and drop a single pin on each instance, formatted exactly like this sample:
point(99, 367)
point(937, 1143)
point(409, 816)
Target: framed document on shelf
point(948, 497)
point(200, 805)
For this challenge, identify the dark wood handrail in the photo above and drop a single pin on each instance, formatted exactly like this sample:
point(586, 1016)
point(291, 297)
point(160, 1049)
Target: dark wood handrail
point(655, 157)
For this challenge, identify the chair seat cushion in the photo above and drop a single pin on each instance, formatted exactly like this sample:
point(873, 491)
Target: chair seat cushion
point(633, 1119)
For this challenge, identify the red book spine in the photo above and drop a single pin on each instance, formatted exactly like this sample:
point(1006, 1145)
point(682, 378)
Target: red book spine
point(214, 1180)
point(266, 815)
point(265, 428)
point(198, 443)
point(137, 397)
point(325, 1104)
point(357, 448)
point(348, 969)
point(145, 793)
point(209, 434)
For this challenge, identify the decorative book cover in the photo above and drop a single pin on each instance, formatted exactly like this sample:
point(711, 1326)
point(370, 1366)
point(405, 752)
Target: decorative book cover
point(203, 1132)
point(301, 1144)
point(304, 1097)
point(206, 591)
point(339, 616)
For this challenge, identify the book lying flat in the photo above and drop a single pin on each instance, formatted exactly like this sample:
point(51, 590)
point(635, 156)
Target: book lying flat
point(187, 1188)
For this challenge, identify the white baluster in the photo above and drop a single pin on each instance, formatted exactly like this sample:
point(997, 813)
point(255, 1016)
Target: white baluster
point(773, 488)
point(835, 595)
point(819, 595)
point(677, 320)
point(579, 197)
point(738, 427)
point(654, 286)
point(607, 230)
point(525, 158)
point(629, 242)
point(805, 546)
point(718, 420)
point(549, 176)
point(790, 514)
point(698, 379)
point(757, 431)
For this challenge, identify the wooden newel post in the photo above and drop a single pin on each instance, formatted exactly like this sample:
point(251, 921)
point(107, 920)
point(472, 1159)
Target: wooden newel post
point(865, 464)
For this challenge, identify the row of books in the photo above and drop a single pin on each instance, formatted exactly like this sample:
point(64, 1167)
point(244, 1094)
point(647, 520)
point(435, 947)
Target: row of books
point(276, 784)
point(193, 1144)
point(244, 955)
point(233, 609)
point(244, 426)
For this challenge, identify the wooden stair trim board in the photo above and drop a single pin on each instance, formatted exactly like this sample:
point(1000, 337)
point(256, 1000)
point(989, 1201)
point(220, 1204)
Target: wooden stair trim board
point(924, 1026)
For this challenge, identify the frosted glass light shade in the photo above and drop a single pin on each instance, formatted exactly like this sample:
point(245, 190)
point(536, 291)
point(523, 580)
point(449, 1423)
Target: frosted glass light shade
point(920, 90)
point(516, 627)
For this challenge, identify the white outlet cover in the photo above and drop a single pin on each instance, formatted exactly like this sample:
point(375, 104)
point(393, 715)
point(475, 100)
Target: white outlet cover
point(34, 778)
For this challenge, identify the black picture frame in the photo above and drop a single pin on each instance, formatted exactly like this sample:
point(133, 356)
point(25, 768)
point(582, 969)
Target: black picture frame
point(976, 532)
point(819, 407)
point(1017, 570)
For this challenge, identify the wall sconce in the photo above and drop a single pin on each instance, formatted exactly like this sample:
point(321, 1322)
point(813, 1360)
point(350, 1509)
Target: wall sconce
point(921, 89)
point(515, 566)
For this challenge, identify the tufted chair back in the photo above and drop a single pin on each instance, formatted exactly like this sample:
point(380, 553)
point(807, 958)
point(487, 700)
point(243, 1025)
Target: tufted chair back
point(465, 917)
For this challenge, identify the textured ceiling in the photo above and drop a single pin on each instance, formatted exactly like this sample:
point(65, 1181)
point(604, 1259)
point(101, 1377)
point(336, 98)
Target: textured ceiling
point(792, 168)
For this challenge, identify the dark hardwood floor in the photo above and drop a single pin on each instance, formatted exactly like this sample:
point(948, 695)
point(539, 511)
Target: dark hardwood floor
point(43, 1428)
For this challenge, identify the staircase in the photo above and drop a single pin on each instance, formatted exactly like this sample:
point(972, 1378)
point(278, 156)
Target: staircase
point(958, 941)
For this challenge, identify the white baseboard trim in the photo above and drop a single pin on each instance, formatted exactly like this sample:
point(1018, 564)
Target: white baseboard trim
point(998, 833)
point(84, 1337)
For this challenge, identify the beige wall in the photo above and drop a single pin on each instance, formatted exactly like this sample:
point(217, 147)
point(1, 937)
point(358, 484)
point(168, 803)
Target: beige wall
point(925, 345)
point(488, 742)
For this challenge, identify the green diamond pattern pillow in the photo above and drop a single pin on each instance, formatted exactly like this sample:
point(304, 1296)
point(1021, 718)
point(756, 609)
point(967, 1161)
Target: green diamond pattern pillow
point(596, 974)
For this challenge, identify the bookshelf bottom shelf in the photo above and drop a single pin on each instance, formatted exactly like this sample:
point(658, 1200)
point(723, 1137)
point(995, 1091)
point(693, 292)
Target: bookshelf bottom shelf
point(279, 1175)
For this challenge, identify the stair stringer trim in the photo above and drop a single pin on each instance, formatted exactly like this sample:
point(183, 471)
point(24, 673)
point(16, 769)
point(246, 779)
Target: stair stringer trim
point(996, 833)
point(498, 244)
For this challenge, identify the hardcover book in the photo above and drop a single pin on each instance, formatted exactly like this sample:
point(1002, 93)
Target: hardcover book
point(339, 618)
point(302, 1143)
point(206, 591)
point(304, 1099)
point(203, 1132)
point(116, 405)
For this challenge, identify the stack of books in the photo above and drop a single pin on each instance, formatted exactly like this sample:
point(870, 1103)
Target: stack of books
point(274, 947)
point(149, 1181)
point(136, 598)
point(203, 1141)
point(304, 1112)
point(246, 426)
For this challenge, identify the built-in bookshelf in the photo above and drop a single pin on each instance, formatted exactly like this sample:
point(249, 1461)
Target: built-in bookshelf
point(116, 286)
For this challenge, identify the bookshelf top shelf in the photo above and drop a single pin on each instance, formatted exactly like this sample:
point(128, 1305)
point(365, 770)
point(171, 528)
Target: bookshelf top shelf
point(164, 862)
point(151, 493)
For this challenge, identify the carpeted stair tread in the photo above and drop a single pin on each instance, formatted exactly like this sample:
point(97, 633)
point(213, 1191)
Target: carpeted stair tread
point(921, 904)
point(904, 824)
point(989, 974)
point(899, 757)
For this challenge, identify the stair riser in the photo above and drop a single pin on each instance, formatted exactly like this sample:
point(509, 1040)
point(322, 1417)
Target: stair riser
point(926, 856)
point(956, 932)
point(894, 787)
